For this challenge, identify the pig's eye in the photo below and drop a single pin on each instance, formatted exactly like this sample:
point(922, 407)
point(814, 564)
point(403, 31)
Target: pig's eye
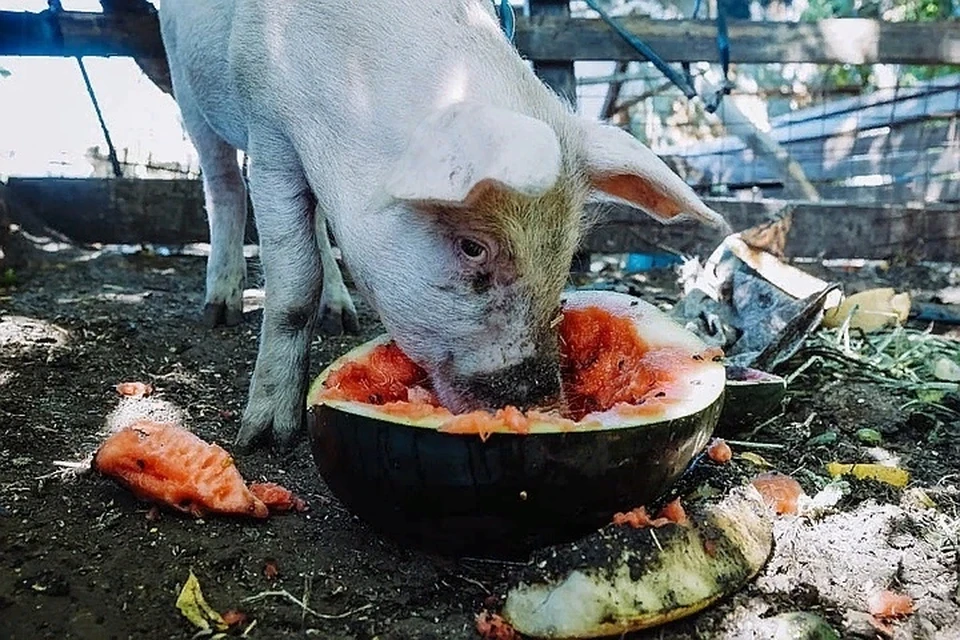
point(472, 250)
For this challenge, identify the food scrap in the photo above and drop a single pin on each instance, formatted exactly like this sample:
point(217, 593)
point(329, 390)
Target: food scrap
point(484, 423)
point(270, 570)
point(894, 476)
point(870, 310)
point(491, 626)
point(887, 605)
point(637, 518)
point(277, 498)
point(672, 513)
point(563, 592)
point(779, 491)
point(755, 459)
point(234, 618)
point(166, 464)
point(134, 389)
point(719, 451)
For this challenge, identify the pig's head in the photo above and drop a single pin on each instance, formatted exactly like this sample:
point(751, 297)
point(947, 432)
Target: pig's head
point(467, 260)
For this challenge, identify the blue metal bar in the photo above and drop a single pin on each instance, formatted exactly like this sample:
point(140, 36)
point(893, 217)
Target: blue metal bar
point(648, 53)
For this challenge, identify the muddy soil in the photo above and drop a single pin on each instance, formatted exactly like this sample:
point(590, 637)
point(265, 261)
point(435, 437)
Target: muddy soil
point(81, 558)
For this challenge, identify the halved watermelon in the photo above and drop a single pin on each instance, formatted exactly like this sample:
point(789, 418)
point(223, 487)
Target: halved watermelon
point(642, 398)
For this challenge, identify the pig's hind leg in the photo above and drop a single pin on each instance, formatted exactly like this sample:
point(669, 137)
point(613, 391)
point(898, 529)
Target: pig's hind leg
point(337, 315)
point(226, 202)
point(292, 278)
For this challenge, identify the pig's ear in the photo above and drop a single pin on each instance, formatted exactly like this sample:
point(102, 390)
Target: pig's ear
point(622, 169)
point(465, 149)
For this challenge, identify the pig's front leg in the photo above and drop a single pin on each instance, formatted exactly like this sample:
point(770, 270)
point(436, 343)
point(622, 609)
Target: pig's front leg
point(292, 278)
point(337, 313)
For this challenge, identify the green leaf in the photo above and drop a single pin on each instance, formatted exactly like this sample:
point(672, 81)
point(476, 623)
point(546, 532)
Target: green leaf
point(932, 396)
point(825, 438)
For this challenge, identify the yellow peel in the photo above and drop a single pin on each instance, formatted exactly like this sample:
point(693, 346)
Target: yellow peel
point(194, 607)
point(894, 476)
point(870, 310)
point(754, 458)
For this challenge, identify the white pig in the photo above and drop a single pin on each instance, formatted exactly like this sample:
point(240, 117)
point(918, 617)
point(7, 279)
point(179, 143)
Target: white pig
point(453, 180)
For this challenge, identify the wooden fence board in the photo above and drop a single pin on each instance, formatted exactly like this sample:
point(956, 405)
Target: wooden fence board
point(557, 38)
point(835, 41)
point(557, 74)
point(862, 100)
point(119, 211)
point(938, 191)
point(912, 138)
point(170, 212)
point(829, 229)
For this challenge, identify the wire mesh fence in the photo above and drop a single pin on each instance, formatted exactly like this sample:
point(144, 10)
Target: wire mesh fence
point(871, 134)
point(887, 145)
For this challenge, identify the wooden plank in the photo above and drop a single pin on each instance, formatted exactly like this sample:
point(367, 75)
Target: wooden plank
point(835, 41)
point(119, 211)
point(170, 212)
point(84, 34)
point(945, 190)
point(558, 74)
point(562, 38)
point(156, 67)
point(827, 229)
point(915, 192)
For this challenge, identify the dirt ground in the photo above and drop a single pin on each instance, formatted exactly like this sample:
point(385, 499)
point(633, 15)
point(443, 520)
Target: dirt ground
point(79, 557)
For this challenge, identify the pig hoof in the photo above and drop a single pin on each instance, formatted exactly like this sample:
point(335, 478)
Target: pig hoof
point(270, 417)
point(252, 435)
point(216, 314)
point(338, 321)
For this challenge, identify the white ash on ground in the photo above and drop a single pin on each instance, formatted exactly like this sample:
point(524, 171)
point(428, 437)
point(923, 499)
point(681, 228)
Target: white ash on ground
point(132, 410)
point(844, 557)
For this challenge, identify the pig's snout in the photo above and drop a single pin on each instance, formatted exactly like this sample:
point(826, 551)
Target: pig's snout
point(534, 382)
